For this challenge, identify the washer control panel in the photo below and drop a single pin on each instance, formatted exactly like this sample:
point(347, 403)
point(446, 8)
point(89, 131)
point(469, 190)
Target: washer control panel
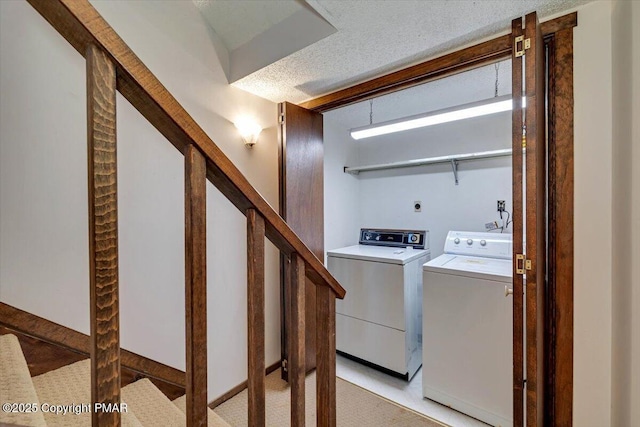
point(491, 245)
point(417, 239)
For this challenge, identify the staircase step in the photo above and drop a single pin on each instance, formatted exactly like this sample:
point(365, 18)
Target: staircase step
point(213, 419)
point(16, 385)
point(151, 406)
point(68, 385)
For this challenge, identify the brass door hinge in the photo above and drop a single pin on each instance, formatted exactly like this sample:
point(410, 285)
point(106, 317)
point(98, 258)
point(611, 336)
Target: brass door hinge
point(524, 45)
point(284, 365)
point(522, 264)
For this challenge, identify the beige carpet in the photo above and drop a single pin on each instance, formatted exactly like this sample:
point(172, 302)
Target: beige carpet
point(71, 384)
point(355, 407)
point(213, 419)
point(15, 384)
point(149, 407)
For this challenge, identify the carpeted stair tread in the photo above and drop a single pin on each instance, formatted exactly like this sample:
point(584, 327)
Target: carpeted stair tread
point(151, 406)
point(16, 385)
point(213, 419)
point(71, 384)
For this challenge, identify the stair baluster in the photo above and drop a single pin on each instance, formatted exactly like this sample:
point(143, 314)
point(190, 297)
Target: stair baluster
point(256, 318)
point(326, 356)
point(195, 198)
point(297, 356)
point(103, 234)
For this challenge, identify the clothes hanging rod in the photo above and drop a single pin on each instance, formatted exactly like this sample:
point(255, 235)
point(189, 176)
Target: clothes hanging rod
point(453, 159)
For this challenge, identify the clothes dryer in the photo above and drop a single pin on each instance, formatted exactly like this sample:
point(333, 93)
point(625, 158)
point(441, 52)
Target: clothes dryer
point(379, 322)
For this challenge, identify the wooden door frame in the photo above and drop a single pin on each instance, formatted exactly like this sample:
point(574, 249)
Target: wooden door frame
point(560, 175)
point(558, 37)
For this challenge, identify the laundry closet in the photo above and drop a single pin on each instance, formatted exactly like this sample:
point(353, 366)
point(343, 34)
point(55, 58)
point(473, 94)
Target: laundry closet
point(453, 176)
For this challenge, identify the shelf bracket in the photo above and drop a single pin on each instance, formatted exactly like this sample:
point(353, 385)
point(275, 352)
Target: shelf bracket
point(454, 167)
point(347, 169)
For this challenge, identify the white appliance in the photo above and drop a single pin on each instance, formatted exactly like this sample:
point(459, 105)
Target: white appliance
point(468, 326)
point(379, 321)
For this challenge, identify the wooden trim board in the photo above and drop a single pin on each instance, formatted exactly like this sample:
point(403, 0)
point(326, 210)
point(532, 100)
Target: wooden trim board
point(462, 60)
point(484, 53)
point(561, 189)
point(43, 357)
point(48, 331)
point(240, 387)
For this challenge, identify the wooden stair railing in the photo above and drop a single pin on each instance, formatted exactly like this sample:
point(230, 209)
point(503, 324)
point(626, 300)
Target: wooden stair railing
point(112, 66)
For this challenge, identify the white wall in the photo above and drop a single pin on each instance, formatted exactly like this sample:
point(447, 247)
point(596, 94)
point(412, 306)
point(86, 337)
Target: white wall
point(592, 216)
point(341, 202)
point(387, 197)
point(626, 207)
point(43, 186)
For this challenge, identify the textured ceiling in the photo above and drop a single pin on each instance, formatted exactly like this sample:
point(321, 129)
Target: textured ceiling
point(375, 37)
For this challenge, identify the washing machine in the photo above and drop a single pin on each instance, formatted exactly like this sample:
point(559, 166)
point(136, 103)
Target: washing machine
point(379, 322)
point(468, 326)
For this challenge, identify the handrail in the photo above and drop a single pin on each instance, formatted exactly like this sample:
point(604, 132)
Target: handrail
point(81, 25)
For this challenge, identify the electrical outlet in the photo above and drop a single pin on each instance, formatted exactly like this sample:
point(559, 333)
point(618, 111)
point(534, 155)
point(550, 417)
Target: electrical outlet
point(417, 206)
point(501, 206)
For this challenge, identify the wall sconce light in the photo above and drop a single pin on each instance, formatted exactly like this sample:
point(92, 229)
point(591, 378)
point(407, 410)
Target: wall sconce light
point(249, 130)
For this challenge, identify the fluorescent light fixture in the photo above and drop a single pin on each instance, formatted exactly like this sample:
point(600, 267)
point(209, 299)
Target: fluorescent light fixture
point(461, 112)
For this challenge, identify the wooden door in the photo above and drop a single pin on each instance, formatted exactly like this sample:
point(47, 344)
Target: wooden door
point(302, 206)
point(529, 201)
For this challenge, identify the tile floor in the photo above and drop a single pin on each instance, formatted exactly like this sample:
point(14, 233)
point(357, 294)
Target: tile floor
point(399, 391)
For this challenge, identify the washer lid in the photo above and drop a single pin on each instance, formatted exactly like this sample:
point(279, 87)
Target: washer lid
point(379, 254)
point(500, 270)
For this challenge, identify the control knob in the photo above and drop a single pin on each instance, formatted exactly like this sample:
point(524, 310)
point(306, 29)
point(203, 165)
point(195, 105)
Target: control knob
point(456, 240)
point(469, 242)
point(483, 242)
